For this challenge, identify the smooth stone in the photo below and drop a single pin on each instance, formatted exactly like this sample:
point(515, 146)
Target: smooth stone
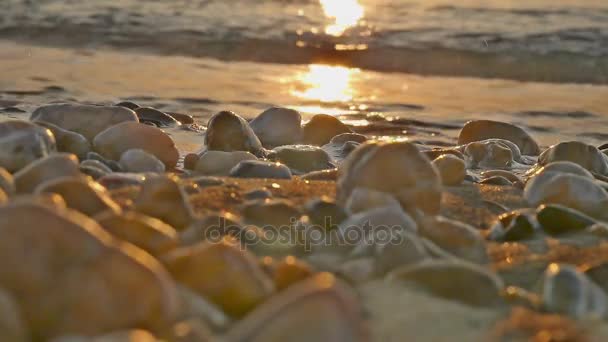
point(219, 163)
point(329, 308)
point(7, 182)
point(155, 116)
point(397, 168)
point(22, 142)
point(270, 213)
point(573, 191)
point(325, 213)
point(213, 228)
point(96, 164)
point(114, 141)
point(112, 164)
point(139, 161)
point(558, 167)
point(565, 290)
point(290, 271)
point(68, 141)
point(260, 169)
point(557, 219)
point(362, 199)
point(226, 131)
point(78, 280)
point(322, 128)
point(302, 158)
point(145, 232)
point(184, 119)
point(516, 225)
point(369, 224)
point(496, 180)
point(491, 154)
point(85, 196)
point(343, 144)
point(587, 156)
point(162, 197)
point(451, 169)
point(52, 167)
point(323, 175)
point(456, 238)
point(478, 130)
point(190, 161)
point(12, 326)
point(229, 277)
point(128, 104)
point(454, 280)
point(257, 194)
point(278, 126)
point(87, 120)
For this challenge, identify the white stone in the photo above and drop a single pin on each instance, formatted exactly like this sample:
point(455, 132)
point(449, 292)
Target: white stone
point(278, 126)
point(451, 169)
point(219, 163)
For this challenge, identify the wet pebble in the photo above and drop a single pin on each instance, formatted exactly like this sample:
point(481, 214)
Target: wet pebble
point(190, 161)
point(219, 163)
point(260, 169)
point(446, 237)
point(396, 168)
point(85, 196)
point(478, 130)
point(587, 156)
point(116, 140)
point(87, 120)
point(451, 169)
point(138, 160)
point(68, 141)
point(226, 131)
point(22, 142)
point(162, 197)
point(302, 158)
point(342, 145)
point(52, 167)
point(278, 126)
point(493, 153)
point(156, 117)
point(322, 128)
point(454, 280)
point(514, 226)
point(557, 219)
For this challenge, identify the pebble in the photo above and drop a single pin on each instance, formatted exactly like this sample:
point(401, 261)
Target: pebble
point(22, 142)
point(96, 164)
point(81, 194)
point(322, 128)
point(100, 285)
point(190, 161)
point(384, 222)
point(325, 213)
point(342, 145)
point(278, 126)
point(46, 169)
point(116, 140)
point(329, 308)
point(272, 214)
point(454, 280)
point(451, 169)
point(156, 117)
point(573, 191)
point(140, 161)
point(183, 119)
point(362, 199)
point(493, 153)
point(565, 290)
point(587, 156)
point(478, 130)
point(226, 131)
point(290, 271)
point(11, 321)
point(445, 237)
point(219, 163)
point(260, 169)
point(145, 232)
point(113, 165)
point(560, 167)
point(557, 219)
point(162, 197)
point(396, 168)
point(323, 175)
point(68, 141)
point(229, 277)
point(7, 182)
point(516, 225)
point(302, 158)
point(88, 120)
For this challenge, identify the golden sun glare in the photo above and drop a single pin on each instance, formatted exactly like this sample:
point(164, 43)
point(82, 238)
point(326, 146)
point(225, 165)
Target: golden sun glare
point(345, 13)
point(326, 83)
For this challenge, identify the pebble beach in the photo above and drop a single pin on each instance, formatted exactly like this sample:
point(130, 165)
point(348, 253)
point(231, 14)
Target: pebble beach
point(406, 185)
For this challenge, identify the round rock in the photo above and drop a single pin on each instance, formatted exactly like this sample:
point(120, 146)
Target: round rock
point(219, 163)
point(278, 126)
point(587, 156)
point(302, 158)
point(52, 167)
point(451, 169)
point(260, 169)
point(68, 141)
point(22, 142)
point(322, 128)
point(226, 131)
point(156, 117)
point(116, 140)
point(137, 160)
point(478, 130)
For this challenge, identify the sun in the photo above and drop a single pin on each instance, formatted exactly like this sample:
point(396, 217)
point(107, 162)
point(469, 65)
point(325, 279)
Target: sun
point(345, 13)
point(326, 83)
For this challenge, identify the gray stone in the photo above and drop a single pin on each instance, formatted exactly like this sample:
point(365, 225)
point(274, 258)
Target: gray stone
point(278, 126)
point(260, 169)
